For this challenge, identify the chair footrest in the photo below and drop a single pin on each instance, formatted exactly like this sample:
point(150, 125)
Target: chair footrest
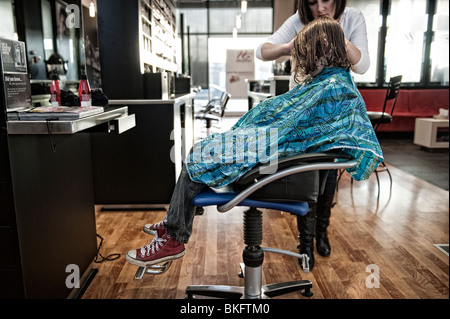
point(303, 257)
point(152, 270)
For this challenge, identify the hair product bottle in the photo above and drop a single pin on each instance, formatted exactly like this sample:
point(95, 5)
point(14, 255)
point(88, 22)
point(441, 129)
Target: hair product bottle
point(55, 91)
point(84, 91)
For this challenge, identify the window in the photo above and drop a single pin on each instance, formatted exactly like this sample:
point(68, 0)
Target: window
point(371, 11)
point(199, 58)
point(223, 20)
point(217, 58)
point(405, 39)
point(401, 38)
point(210, 34)
point(195, 19)
point(440, 45)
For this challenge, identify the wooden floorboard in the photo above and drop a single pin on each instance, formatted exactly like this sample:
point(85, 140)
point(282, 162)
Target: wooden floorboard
point(395, 236)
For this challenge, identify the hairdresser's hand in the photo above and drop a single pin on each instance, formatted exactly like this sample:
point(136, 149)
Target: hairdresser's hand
point(271, 51)
point(353, 53)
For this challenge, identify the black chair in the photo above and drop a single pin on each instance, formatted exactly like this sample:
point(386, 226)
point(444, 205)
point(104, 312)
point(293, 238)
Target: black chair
point(214, 110)
point(293, 188)
point(385, 117)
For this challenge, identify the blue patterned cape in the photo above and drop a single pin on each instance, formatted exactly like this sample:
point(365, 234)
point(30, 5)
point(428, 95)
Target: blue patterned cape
point(325, 113)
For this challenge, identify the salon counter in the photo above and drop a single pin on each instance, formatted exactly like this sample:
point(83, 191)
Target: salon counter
point(113, 119)
point(259, 90)
point(139, 168)
point(47, 225)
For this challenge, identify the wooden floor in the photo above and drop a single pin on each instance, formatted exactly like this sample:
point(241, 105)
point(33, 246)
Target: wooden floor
point(395, 237)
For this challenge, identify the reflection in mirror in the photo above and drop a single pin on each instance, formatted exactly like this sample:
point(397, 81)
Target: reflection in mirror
point(7, 23)
point(67, 35)
point(47, 28)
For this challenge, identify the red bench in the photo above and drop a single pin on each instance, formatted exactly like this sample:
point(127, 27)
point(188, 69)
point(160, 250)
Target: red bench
point(411, 103)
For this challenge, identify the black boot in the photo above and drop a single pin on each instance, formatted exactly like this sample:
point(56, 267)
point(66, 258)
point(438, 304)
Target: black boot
point(323, 212)
point(305, 226)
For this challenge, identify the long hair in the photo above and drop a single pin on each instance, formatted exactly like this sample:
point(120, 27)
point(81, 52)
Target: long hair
point(305, 13)
point(321, 41)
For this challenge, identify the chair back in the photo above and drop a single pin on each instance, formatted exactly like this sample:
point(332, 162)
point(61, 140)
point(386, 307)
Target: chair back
point(223, 102)
point(392, 92)
point(305, 186)
point(217, 104)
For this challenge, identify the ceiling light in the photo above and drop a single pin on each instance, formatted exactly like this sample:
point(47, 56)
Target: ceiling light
point(92, 9)
point(244, 6)
point(238, 21)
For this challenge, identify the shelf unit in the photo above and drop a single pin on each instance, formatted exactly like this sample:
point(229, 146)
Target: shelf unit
point(135, 37)
point(157, 30)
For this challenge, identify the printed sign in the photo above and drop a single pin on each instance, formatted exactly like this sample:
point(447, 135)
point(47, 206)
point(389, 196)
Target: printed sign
point(240, 67)
point(13, 56)
point(16, 80)
point(17, 91)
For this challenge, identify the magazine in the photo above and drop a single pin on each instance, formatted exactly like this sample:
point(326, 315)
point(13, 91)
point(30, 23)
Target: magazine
point(55, 113)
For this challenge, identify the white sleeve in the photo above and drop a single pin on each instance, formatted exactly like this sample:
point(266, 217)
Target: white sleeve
point(284, 34)
point(363, 64)
point(358, 36)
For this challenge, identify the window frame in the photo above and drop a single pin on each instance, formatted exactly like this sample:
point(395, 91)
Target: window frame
point(380, 58)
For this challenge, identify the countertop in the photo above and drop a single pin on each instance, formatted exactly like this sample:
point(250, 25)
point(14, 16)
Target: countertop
point(119, 114)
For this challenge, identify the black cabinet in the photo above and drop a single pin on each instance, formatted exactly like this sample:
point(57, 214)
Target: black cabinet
point(50, 194)
point(48, 232)
point(141, 166)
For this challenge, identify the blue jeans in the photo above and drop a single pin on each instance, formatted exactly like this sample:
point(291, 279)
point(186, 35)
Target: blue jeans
point(180, 216)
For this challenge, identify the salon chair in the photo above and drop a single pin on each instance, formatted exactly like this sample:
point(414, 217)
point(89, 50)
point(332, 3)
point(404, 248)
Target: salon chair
point(385, 117)
point(213, 111)
point(293, 188)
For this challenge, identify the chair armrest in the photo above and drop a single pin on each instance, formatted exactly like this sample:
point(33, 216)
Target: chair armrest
point(283, 173)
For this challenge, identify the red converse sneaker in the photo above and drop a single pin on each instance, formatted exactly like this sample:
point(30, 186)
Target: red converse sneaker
point(155, 229)
point(161, 249)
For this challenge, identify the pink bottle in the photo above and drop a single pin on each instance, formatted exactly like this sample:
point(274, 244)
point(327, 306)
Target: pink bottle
point(55, 91)
point(84, 91)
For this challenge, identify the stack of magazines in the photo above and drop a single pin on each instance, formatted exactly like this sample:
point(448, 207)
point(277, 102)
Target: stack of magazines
point(55, 113)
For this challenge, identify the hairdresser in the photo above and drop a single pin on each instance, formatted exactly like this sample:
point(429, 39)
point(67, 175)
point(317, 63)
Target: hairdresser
point(316, 222)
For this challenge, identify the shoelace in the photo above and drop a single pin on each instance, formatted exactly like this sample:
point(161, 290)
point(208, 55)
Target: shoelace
point(160, 224)
point(156, 243)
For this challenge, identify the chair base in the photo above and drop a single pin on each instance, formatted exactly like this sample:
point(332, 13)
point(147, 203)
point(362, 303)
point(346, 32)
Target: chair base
point(236, 292)
point(251, 269)
point(253, 289)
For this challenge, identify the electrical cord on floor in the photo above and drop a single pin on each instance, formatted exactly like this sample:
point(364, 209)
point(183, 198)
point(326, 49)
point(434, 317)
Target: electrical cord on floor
point(111, 257)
